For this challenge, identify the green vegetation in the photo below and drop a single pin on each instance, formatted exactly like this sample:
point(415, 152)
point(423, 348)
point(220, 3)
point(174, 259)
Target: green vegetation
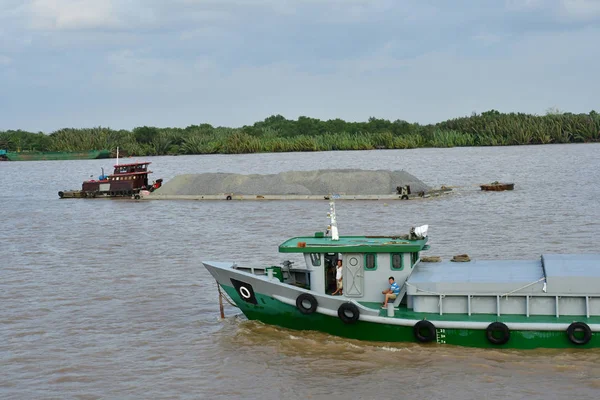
point(277, 134)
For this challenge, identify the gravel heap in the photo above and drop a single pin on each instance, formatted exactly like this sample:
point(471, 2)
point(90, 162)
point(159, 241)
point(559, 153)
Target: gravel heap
point(318, 182)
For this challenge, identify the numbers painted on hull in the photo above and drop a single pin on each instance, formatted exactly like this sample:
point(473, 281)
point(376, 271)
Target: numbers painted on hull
point(440, 336)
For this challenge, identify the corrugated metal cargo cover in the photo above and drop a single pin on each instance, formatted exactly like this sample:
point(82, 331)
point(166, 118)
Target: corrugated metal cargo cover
point(476, 277)
point(572, 273)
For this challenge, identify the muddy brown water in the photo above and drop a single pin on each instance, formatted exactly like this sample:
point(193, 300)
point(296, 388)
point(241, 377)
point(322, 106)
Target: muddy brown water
point(105, 299)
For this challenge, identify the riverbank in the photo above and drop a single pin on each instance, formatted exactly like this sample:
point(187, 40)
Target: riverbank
point(277, 134)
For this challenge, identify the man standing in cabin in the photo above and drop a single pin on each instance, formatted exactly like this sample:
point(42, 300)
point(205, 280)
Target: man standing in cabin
point(338, 278)
point(392, 292)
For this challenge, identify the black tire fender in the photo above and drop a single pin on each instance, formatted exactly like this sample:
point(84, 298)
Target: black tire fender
point(424, 331)
point(494, 328)
point(577, 327)
point(137, 197)
point(228, 197)
point(61, 194)
point(306, 298)
point(348, 313)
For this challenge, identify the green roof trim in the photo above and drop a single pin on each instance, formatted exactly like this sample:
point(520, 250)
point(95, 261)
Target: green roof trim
point(351, 244)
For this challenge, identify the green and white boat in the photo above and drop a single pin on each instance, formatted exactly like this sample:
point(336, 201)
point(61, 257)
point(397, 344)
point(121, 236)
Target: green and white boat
point(551, 302)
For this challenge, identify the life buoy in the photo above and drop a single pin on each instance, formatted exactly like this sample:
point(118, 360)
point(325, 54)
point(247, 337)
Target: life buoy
point(424, 331)
point(301, 303)
point(576, 328)
point(348, 313)
point(497, 333)
point(228, 198)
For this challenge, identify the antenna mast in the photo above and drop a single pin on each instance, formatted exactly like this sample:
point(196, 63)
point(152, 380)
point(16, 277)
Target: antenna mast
point(333, 221)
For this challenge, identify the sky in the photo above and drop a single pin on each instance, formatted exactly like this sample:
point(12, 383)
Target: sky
point(174, 63)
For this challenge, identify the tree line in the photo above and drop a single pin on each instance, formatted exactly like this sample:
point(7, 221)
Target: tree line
point(278, 134)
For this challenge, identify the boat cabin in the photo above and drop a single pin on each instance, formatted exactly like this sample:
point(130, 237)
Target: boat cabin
point(368, 262)
point(126, 179)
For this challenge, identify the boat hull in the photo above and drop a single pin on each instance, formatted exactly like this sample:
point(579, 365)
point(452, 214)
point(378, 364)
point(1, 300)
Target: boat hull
point(273, 303)
point(274, 312)
point(498, 187)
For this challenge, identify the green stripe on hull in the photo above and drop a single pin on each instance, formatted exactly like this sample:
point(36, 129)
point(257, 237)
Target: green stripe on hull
point(273, 312)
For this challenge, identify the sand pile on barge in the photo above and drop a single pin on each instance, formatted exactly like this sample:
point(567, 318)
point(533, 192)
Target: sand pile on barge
point(318, 182)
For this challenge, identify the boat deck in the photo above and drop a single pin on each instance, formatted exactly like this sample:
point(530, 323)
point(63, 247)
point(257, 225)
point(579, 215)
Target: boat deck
point(403, 312)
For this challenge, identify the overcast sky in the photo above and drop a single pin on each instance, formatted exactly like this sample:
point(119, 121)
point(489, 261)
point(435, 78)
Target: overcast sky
point(127, 63)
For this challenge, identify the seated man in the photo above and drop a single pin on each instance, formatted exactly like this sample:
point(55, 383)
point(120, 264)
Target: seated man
point(392, 292)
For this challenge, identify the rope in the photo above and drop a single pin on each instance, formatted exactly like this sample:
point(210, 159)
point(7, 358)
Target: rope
point(425, 291)
point(223, 296)
point(523, 287)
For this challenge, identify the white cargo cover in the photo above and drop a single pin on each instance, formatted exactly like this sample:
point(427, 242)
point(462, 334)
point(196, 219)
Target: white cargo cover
point(572, 273)
point(477, 277)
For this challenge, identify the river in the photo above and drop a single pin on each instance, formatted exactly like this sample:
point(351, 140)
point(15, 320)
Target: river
point(108, 299)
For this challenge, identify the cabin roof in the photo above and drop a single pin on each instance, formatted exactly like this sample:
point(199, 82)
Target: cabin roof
point(131, 173)
point(133, 164)
point(351, 244)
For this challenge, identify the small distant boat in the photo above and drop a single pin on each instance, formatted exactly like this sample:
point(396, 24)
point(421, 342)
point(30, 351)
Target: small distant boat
point(497, 187)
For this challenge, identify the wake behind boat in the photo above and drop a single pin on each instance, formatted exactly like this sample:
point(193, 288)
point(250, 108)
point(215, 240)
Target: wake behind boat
point(551, 302)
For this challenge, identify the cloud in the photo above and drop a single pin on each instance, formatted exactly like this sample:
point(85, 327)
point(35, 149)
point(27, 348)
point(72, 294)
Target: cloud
point(232, 62)
point(72, 14)
point(4, 60)
point(582, 9)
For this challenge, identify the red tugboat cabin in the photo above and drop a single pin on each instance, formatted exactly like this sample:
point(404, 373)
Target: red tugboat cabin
point(127, 179)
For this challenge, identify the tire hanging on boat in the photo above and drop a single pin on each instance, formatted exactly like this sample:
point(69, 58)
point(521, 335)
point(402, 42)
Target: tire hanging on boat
point(496, 328)
point(577, 327)
point(348, 313)
point(300, 303)
point(424, 331)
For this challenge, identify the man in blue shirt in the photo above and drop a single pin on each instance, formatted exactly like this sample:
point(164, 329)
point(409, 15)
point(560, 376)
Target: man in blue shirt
point(392, 292)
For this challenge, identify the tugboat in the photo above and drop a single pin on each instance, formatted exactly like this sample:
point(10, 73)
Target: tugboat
point(127, 180)
point(550, 302)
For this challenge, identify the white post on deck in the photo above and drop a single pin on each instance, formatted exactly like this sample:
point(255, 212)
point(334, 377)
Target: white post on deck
point(390, 309)
point(587, 306)
point(333, 221)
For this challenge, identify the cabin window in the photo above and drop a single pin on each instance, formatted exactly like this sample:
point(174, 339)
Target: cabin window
point(397, 260)
point(414, 257)
point(315, 259)
point(371, 261)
